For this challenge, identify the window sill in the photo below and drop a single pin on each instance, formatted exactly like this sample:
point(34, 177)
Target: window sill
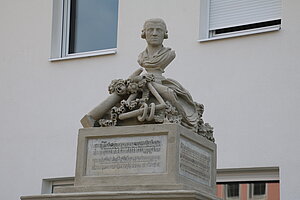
point(241, 33)
point(85, 54)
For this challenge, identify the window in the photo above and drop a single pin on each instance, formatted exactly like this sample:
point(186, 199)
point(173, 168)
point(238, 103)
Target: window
point(257, 190)
point(232, 190)
point(261, 183)
point(222, 19)
point(84, 28)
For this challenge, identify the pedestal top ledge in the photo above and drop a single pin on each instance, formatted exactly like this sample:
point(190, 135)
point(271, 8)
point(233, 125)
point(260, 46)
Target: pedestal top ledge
point(143, 157)
point(128, 195)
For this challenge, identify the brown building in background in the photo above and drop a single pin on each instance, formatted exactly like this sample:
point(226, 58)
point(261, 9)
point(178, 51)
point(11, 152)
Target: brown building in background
point(248, 184)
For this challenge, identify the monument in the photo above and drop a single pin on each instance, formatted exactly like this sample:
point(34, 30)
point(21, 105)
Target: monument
point(147, 140)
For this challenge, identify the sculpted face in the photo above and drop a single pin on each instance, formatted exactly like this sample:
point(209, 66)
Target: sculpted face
point(154, 32)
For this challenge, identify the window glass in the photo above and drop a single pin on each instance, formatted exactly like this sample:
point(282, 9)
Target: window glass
point(259, 189)
point(233, 190)
point(93, 25)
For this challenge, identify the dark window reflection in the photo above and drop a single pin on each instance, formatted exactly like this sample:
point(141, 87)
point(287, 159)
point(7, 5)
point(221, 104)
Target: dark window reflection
point(259, 189)
point(233, 190)
point(93, 25)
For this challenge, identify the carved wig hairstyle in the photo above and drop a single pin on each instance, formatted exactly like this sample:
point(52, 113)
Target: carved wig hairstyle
point(154, 20)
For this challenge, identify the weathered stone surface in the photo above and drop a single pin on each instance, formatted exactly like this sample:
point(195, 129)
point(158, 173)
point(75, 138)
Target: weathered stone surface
point(126, 155)
point(143, 157)
point(140, 142)
point(195, 162)
point(129, 195)
point(150, 98)
point(151, 162)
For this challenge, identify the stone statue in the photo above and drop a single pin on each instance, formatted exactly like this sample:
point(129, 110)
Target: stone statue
point(150, 97)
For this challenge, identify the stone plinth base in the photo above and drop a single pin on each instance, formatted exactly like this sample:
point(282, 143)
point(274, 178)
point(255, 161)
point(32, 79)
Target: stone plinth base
point(155, 161)
point(133, 195)
point(144, 157)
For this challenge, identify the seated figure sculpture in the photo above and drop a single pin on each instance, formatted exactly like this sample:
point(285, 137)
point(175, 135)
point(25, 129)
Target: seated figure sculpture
point(150, 97)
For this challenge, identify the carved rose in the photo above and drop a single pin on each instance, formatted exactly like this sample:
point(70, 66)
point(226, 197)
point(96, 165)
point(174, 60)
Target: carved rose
point(132, 88)
point(117, 86)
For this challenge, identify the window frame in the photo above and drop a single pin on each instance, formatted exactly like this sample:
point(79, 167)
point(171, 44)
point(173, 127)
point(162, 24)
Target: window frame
point(60, 34)
point(205, 34)
point(226, 192)
point(253, 196)
point(49, 184)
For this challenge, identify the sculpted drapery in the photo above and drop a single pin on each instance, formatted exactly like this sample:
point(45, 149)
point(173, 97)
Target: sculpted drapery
point(149, 97)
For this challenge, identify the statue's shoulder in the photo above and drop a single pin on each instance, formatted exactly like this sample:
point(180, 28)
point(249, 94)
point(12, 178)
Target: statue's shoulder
point(167, 51)
point(142, 56)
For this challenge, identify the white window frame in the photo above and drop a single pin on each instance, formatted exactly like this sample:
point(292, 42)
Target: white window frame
point(256, 197)
point(60, 34)
point(206, 35)
point(49, 184)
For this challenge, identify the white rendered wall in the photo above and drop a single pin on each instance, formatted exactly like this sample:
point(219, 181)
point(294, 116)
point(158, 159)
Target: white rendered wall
point(250, 87)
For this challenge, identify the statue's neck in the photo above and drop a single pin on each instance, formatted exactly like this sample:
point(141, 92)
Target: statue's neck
point(152, 50)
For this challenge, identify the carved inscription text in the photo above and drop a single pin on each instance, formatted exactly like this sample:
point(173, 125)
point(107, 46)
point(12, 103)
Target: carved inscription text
point(126, 155)
point(194, 162)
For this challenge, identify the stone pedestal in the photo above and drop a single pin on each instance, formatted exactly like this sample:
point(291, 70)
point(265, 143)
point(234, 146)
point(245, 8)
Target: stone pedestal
point(165, 161)
point(130, 195)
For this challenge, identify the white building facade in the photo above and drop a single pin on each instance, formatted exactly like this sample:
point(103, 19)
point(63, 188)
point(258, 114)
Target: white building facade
point(247, 78)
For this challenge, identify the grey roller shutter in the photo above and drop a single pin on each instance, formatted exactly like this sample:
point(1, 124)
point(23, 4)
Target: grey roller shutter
point(231, 13)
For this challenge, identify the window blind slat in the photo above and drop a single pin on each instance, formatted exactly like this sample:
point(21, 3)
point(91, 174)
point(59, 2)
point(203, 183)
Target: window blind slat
point(230, 13)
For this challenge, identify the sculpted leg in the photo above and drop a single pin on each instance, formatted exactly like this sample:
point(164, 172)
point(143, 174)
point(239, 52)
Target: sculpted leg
point(186, 109)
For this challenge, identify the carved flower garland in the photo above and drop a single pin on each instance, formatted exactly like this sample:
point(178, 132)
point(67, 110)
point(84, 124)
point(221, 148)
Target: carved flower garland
point(130, 86)
point(118, 86)
point(138, 84)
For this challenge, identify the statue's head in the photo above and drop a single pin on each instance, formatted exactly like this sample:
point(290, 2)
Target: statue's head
point(154, 31)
